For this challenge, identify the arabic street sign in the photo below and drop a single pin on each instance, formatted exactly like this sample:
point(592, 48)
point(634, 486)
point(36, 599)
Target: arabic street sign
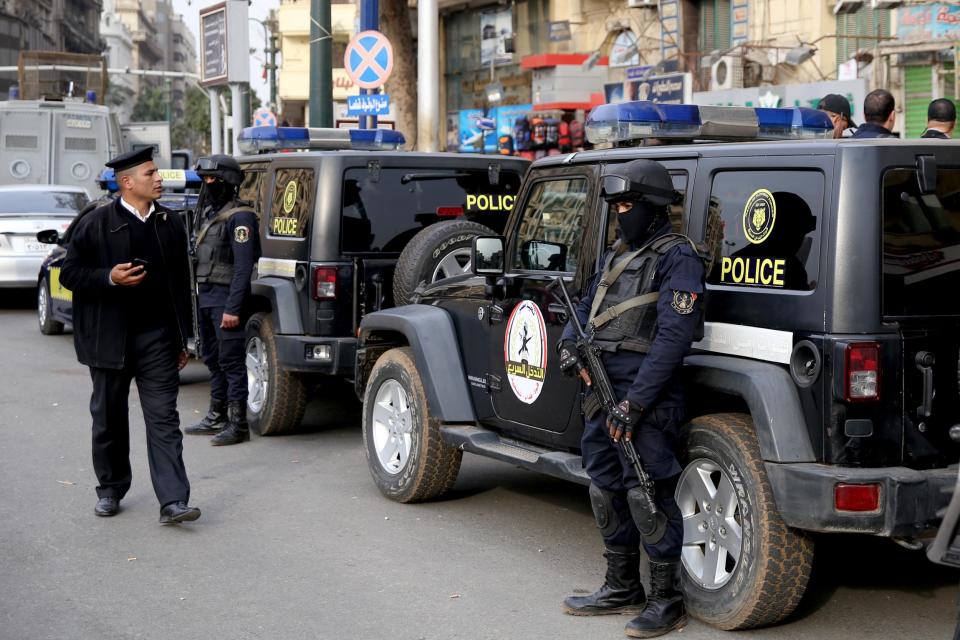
point(368, 59)
point(373, 104)
point(213, 48)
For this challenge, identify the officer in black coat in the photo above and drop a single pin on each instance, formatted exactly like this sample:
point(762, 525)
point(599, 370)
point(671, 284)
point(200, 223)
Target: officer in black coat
point(127, 268)
point(645, 310)
point(941, 119)
point(227, 248)
point(879, 114)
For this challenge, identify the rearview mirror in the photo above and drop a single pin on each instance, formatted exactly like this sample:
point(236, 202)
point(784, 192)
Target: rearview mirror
point(48, 236)
point(486, 256)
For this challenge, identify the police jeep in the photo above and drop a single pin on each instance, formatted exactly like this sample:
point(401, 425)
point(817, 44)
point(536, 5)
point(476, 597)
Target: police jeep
point(348, 226)
point(820, 397)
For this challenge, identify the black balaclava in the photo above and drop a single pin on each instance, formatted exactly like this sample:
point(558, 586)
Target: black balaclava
point(219, 192)
point(638, 225)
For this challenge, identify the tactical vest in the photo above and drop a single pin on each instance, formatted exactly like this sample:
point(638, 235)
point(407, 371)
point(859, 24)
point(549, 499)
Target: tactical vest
point(214, 252)
point(624, 313)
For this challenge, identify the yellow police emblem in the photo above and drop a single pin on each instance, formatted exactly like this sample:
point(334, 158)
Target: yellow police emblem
point(290, 196)
point(759, 216)
point(241, 234)
point(683, 302)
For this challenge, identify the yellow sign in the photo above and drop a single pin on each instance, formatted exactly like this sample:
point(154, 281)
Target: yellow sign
point(290, 196)
point(57, 290)
point(285, 227)
point(759, 216)
point(490, 203)
point(526, 370)
point(767, 272)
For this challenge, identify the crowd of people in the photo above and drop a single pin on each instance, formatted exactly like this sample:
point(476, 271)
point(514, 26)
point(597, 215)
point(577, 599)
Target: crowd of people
point(879, 115)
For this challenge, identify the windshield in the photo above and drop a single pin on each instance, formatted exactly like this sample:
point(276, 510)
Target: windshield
point(65, 203)
point(921, 245)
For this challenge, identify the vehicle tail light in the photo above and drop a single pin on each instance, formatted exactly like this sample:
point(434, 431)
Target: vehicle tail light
point(862, 371)
point(324, 283)
point(449, 212)
point(856, 497)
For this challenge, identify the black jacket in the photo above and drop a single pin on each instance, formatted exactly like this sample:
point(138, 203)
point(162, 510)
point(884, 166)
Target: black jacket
point(100, 241)
point(871, 130)
point(933, 133)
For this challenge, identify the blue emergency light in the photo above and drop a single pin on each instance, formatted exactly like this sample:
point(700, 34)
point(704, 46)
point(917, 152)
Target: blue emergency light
point(172, 179)
point(255, 140)
point(630, 121)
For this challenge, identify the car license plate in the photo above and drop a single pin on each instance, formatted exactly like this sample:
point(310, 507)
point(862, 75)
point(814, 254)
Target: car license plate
point(24, 245)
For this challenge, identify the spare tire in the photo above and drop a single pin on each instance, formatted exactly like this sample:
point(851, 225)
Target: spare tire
point(439, 251)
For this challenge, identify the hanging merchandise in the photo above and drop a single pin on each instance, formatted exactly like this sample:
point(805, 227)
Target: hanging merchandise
point(576, 134)
point(538, 131)
point(521, 133)
point(563, 139)
point(505, 145)
point(552, 136)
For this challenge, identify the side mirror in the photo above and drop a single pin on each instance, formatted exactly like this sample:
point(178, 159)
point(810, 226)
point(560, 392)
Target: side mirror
point(486, 256)
point(48, 236)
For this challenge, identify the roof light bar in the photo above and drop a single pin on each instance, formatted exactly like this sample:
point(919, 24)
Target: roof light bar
point(255, 140)
point(630, 121)
point(172, 179)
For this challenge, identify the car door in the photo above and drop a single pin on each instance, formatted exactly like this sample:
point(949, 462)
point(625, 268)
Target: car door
point(529, 395)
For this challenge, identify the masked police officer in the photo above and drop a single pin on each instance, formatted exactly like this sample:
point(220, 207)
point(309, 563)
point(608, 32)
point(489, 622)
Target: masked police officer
point(227, 247)
point(645, 311)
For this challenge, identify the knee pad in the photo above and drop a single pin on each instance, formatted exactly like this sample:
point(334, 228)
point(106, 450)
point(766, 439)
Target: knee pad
point(650, 518)
point(608, 521)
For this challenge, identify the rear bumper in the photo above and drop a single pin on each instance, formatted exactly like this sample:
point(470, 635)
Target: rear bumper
point(20, 271)
point(909, 499)
point(292, 350)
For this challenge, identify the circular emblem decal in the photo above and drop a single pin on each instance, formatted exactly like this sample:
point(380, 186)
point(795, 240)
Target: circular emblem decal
point(759, 215)
point(525, 352)
point(683, 302)
point(290, 196)
point(241, 234)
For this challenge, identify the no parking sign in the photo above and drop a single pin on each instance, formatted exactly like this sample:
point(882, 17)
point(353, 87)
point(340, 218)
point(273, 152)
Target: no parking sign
point(368, 59)
point(263, 117)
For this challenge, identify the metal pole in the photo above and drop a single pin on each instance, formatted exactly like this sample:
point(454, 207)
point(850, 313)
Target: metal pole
point(369, 21)
point(273, 58)
point(428, 75)
point(226, 124)
point(236, 95)
point(321, 69)
point(215, 135)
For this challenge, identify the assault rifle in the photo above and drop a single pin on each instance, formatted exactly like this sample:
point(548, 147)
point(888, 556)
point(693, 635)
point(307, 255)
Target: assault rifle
point(650, 520)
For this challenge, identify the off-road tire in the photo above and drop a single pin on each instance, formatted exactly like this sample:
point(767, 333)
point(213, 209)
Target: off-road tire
point(432, 467)
point(775, 561)
point(427, 249)
point(286, 396)
point(48, 326)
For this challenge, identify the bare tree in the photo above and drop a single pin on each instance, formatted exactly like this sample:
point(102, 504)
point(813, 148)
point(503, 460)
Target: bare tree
point(402, 85)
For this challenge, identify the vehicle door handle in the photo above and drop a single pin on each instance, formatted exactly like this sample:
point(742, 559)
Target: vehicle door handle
point(925, 361)
point(559, 310)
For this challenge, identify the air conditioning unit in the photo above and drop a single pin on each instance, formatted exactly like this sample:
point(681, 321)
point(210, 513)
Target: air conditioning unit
point(726, 73)
point(642, 4)
point(846, 6)
point(885, 4)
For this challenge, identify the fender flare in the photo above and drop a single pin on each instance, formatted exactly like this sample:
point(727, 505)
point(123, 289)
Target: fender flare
point(770, 395)
point(282, 295)
point(431, 337)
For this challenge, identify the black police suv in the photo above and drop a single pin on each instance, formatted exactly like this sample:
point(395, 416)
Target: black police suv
point(349, 226)
point(820, 398)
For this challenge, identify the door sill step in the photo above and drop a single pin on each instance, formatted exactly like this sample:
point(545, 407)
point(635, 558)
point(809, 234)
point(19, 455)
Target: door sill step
point(489, 444)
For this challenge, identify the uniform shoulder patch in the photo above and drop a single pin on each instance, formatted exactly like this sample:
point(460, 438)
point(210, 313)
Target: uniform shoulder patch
point(683, 302)
point(241, 234)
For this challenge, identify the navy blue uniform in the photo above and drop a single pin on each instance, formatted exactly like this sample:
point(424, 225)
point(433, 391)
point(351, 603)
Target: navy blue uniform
point(223, 349)
point(652, 381)
point(872, 130)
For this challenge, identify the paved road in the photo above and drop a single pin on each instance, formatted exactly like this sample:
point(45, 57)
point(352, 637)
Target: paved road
point(295, 541)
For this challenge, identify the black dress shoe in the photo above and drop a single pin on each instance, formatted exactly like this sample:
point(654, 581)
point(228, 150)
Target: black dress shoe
point(107, 507)
point(176, 512)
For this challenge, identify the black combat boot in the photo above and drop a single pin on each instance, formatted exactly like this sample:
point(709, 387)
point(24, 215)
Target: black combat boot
point(237, 430)
point(622, 591)
point(664, 611)
point(213, 422)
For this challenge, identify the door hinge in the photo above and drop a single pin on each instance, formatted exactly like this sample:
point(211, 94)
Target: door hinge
point(495, 314)
point(493, 383)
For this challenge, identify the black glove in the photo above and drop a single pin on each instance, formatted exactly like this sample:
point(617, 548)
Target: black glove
point(623, 419)
point(570, 362)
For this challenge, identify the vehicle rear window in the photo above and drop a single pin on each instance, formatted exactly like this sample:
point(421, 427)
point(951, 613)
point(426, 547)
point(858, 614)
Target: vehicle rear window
point(384, 208)
point(292, 202)
point(921, 245)
point(771, 228)
point(50, 202)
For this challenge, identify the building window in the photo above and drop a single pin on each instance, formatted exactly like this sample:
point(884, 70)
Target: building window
point(864, 22)
point(714, 25)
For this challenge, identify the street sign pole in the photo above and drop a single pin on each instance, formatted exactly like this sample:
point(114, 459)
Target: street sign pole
point(369, 21)
point(321, 67)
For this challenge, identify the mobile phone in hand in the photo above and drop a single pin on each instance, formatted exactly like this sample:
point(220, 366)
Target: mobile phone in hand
point(139, 262)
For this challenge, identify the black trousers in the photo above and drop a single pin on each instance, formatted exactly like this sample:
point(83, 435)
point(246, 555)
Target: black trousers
point(223, 353)
point(151, 360)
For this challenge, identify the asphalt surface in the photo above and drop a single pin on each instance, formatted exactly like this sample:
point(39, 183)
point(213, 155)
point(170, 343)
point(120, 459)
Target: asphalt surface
point(296, 542)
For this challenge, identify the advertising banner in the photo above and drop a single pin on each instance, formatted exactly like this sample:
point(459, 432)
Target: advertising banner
point(495, 28)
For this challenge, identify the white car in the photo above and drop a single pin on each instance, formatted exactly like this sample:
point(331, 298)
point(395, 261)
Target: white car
point(25, 210)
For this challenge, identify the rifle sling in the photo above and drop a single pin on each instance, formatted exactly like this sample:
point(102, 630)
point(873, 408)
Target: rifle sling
point(626, 305)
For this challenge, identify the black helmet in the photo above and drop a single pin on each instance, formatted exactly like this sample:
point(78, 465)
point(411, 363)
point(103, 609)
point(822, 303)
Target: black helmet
point(221, 166)
point(638, 180)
